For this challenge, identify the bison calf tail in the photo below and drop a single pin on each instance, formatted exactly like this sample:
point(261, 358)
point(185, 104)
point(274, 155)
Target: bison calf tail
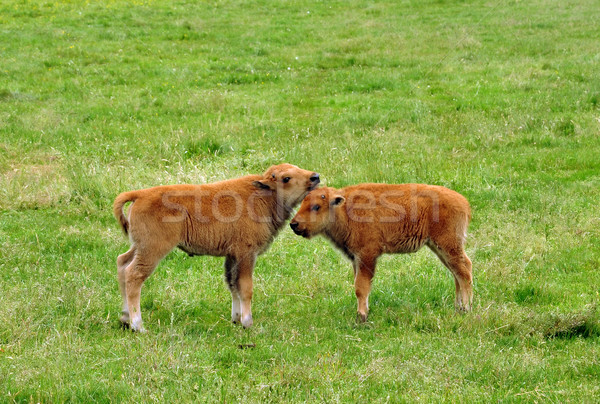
point(120, 201)
point(464, 224)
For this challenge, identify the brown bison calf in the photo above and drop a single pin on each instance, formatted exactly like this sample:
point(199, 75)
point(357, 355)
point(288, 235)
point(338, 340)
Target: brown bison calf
point(367, 220)
point(237, 219)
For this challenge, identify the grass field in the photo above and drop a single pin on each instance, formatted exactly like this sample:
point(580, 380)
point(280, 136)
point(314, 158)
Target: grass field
point(499, 100)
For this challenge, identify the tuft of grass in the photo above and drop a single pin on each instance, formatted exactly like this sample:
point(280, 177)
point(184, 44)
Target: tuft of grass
point(573, 325)
point(204, 147)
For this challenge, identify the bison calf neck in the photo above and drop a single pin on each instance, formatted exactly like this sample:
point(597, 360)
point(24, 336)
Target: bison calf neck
point(367, 220)
point(237, 219)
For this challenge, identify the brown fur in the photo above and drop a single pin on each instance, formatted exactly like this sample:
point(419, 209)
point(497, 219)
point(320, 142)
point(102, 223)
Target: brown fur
point(237, 219)
point(367, 220)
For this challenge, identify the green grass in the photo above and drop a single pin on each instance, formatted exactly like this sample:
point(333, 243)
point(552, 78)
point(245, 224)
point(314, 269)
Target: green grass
point(497, 100)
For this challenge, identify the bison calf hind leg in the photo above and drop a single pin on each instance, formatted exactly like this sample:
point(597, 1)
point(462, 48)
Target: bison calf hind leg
point(459, 264)
point(140, 268)
point(123, 262)
point(462, 271)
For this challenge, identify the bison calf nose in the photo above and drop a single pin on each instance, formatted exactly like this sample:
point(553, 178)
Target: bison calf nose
point(315, 177)
point(294, 225)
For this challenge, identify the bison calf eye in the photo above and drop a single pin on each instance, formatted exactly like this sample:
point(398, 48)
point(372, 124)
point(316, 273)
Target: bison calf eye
point(286, 180)
point(316, 207)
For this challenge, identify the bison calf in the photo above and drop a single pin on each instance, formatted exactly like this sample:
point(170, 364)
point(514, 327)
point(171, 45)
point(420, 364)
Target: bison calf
point(237, 219)
point(367, 220)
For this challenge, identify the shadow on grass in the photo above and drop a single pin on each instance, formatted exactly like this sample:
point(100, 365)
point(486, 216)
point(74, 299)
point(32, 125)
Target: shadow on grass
point(572, 325)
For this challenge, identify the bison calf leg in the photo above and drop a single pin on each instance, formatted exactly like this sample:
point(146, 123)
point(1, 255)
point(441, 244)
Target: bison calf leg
point(364, 271)
point(238, 275)
point(244, 287)
point(136, 273)
point(461, 268)
point(231, 278)
point(123, 262)
point(456, 260)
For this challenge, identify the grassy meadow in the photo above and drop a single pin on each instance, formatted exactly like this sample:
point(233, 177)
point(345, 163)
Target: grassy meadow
point(498, 100)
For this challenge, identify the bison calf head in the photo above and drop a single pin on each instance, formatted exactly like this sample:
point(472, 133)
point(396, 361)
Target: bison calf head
point(317, 212)
point(290, 183)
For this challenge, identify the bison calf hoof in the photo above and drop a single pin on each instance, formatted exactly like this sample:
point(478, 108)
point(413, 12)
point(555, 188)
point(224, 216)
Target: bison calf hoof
point(236, 318)
point(247, 322)
point(361, 317)
point(124, 320)
point(136, 326)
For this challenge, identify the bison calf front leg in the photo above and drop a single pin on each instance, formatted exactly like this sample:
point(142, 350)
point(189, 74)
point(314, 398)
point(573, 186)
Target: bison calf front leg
point(238, 274)
point(231, 277)
point(245, 289)
point(364, 271)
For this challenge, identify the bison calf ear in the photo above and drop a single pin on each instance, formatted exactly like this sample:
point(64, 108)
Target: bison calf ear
point(338, 201)
point(261, 184)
